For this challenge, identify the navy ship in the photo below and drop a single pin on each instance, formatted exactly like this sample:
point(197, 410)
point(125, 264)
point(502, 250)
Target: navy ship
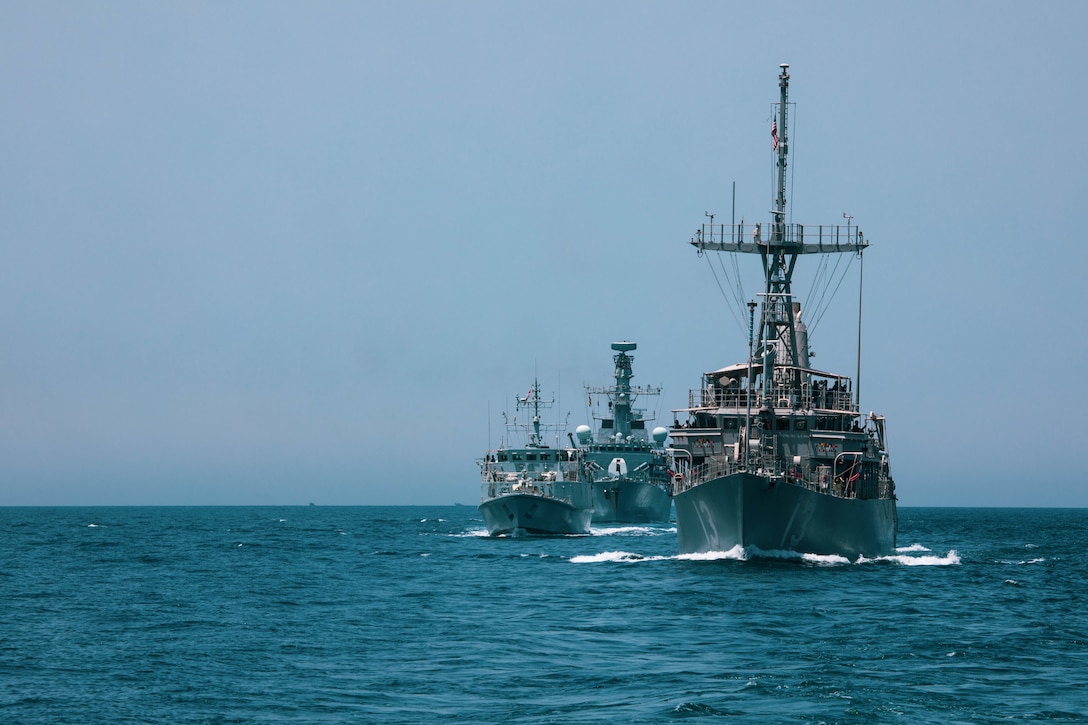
point(534, 489)
point(775, 455)
point(631, 479)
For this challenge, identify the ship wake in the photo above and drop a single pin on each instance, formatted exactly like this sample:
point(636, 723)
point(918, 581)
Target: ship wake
point(738, 553)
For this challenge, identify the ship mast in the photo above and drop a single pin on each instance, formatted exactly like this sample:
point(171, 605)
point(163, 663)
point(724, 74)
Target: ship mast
point(622, 406)
point(533, 400)
point(777, 315)
point(622, 394)
point(780, 136)
point(777, 345)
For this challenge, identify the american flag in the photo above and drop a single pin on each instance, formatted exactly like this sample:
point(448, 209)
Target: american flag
point(774, 133)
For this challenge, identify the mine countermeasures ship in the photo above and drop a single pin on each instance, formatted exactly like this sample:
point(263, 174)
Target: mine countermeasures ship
point(774, 455)
point(534, 489)
point(631, 480)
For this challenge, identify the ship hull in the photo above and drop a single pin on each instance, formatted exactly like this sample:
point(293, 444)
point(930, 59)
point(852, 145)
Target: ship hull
point(518, 512)
point(743, 509)
point(630, 502)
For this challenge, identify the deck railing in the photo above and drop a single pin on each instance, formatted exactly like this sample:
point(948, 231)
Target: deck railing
point(839, 486)
point(832, 237)
point(717, 397)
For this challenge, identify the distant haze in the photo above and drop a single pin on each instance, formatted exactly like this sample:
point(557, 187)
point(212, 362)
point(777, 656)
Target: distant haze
point(275, 253)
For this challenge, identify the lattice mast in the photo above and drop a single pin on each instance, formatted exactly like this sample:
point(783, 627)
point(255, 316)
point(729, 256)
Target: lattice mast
point(778, 252)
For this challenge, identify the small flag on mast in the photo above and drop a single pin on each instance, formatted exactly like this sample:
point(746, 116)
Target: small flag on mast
point(774, 134)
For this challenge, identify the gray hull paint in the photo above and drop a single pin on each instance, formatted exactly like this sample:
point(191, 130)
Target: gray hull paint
point(631, 502)
point(742, 509)
point(513, 513)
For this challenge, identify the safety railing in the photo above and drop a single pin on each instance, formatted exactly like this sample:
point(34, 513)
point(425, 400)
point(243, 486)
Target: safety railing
point(823, 399)
point(491, 470)
point(558, 490)
point(841, 482)
point(829, 236)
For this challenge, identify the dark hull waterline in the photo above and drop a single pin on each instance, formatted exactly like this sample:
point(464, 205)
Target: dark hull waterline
point(743, 509)
point(518, 512)
point(630, 502)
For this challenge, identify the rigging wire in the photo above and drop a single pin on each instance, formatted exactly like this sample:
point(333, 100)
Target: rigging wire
point(732, 312)
point(738, 288)
point(817, 281)
point(821, 302)
point(821, 311)
point(740, 285)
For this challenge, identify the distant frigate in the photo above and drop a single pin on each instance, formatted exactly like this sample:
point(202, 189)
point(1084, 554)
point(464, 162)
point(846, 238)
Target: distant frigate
point(629, 468)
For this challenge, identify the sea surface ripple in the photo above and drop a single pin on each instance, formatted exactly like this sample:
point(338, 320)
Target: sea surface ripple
point(414, 615)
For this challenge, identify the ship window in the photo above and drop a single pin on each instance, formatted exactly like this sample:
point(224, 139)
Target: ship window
point(638, 425)
point(530, 456)
point(800, 424)
point(729, 423)
point(782, 424)
point(606, 423)
point(502, 457)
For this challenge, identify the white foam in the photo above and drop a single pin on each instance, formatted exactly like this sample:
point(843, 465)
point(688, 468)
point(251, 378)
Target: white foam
point(607, 556)
point(825, 559)
point(949, 559)
point(837, 560)
point(471, 534)
point(630, 530)
point(737, 553)
point(629, 557)
point(1038, 560)
point(790, 555)
point(912, 547)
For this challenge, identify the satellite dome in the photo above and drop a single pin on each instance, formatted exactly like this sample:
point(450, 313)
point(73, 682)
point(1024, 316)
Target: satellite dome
point(584, 433)
point(660, 434)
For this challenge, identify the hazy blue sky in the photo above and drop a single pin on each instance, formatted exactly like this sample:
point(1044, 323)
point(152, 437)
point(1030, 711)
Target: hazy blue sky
point(273, 253)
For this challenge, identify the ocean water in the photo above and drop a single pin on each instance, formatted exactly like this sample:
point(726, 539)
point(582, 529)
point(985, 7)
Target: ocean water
point(412, 615)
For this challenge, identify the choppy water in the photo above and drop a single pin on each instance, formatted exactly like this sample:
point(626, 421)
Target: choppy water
point(411, 615)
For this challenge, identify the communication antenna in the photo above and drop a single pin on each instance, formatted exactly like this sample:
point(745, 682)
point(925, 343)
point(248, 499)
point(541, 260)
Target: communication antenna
point(861, 284)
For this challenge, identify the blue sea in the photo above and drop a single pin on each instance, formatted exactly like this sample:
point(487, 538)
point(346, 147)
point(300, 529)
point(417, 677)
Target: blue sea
point(412, 615)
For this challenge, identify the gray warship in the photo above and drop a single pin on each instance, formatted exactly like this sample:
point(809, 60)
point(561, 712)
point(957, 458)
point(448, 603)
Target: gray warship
point(775, 455)
point(631, 480)
point(534, 489)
